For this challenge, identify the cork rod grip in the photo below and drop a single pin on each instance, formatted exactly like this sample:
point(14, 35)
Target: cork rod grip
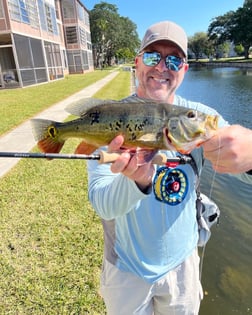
point(105, 157)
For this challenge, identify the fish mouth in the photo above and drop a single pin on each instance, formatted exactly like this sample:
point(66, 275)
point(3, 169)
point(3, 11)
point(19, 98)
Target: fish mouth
point(212, 121)
point(167, 139)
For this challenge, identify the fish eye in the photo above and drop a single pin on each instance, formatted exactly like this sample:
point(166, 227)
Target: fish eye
point(191, 114)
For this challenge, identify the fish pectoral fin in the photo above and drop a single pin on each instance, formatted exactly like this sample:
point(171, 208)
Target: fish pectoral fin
point(148, 137)
point(85, 148)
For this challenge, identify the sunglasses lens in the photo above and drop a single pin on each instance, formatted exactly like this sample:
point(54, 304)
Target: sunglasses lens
point(174, 63)
point(151, 58)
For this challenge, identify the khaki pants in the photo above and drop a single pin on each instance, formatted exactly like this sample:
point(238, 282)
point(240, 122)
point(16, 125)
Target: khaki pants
point(178, 293)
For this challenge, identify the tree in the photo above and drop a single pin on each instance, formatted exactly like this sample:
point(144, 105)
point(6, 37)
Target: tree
point(235, 26)
point(241, 32)
point(111, 33)
point(128, 41)
point(219, 30)
point(239, 50)
point(199, 45)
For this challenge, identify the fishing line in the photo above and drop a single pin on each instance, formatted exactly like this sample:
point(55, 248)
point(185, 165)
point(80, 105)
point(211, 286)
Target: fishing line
point(210, 196)
point(216, 164)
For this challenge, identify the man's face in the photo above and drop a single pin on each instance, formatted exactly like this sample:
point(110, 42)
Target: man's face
point(158, 82)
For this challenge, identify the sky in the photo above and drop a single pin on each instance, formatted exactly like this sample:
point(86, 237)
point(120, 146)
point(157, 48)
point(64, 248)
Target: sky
point(194, 16)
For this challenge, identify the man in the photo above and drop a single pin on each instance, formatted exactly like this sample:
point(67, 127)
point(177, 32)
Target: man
point(151, 264)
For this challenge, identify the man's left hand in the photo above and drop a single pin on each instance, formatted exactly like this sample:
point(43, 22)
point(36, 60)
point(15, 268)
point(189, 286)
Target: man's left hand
point(230, 150)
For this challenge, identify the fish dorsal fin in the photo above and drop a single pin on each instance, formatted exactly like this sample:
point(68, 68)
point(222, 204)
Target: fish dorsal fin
point(79, 108)
point(136, 99)
point(133, 99)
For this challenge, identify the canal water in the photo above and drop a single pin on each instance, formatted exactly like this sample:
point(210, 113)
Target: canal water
point(227, 263)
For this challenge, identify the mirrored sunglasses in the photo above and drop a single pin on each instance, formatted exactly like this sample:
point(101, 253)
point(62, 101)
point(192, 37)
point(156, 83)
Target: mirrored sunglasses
point(153, 58)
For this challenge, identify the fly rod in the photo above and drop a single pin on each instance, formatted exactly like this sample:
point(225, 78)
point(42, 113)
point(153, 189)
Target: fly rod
point(102, 157)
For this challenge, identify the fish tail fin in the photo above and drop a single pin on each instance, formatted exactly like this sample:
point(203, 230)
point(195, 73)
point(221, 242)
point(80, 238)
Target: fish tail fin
point(46, 134)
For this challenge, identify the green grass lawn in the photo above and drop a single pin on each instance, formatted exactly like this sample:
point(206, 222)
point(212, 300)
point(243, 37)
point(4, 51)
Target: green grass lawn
point(51, 239)
point(17, 105)
point(227, 60)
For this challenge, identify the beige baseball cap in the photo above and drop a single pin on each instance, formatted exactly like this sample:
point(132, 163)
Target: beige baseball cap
point(165, 30)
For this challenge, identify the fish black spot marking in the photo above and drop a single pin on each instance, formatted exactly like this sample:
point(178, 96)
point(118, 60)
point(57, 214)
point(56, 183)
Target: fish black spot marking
point(128, 127)
point(95, 117)
point(133, 136)
point(139, 127)
point(118, 124)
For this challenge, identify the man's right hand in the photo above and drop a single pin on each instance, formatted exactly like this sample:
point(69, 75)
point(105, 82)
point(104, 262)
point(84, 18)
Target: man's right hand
point(128, 166)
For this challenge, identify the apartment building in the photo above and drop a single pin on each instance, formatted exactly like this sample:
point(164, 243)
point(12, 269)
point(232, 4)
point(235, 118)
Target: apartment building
point(42, 40)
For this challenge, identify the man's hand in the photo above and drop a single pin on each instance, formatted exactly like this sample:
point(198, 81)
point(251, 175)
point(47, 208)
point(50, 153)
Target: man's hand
point(230, 150)
point(127, 165)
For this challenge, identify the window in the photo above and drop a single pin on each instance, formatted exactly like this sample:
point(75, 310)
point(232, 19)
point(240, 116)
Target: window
point(47, 15)
point(51, 19)
point(24, 12)
point(71, 35)
point(83, 39)
point(56, 4)
point(30, 59)
point(86, 18)
point(42, 16)
point(23, 49)
point(68, 9)
point(14, 10)
point(37, 53)
point(1, 9)
point(54, 60)
point(81, 15)
point(33, 13)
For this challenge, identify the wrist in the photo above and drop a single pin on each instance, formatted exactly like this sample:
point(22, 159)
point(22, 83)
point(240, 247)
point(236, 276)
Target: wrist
point(144, 188)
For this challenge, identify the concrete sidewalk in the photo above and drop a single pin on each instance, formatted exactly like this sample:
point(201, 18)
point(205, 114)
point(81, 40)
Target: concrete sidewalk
point(21, 138)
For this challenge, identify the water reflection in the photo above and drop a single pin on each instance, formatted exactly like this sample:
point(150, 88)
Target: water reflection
point(228, 90)
point(227, 274)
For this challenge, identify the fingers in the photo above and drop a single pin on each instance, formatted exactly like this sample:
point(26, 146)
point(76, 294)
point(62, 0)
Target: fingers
point(121, 163)
point(116, 143)
point(229, 151)
point(128, 166)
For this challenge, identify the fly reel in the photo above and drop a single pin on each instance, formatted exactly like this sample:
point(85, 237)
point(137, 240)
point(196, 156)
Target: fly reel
point(170, 185)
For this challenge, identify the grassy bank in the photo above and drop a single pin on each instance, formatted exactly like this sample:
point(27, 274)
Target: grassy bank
point(17, 105)
point(51, 239)
point(221, 60)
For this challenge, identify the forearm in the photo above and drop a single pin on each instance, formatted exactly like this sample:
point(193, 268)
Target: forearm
point(244, 177)
point(111, 195)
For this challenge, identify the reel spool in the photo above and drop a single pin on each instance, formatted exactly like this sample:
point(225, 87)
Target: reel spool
point(170, 185)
